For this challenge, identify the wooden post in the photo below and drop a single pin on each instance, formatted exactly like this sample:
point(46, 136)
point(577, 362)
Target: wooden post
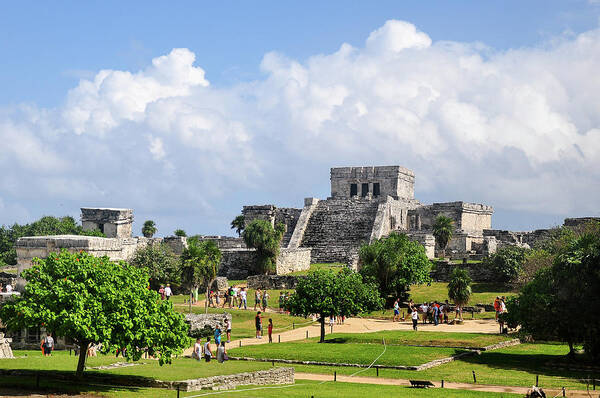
point(472, 314)
point(307, 334)
point(442, 383)
point(178, 391)
point(293, 325)
point(564, 392)
point(240, 343)
point(279, 338)
point(334, 375)
point(474, 378)
point(537, 380)
point(377, 369)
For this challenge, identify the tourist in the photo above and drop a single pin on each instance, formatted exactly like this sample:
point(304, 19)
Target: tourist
point(235, 296)
point(195, 294)
point(210, 298)
point(230, 293)
point(217, 335)
point(48, 345)
point(227, 324)
point(221, 353)
point(168, 292)
point(415, 318)
point(9, 288)
point(161, 291)
point(458, 313)
point(197, 354)
point(411, 305)
point(270, 330)
point(446, 311)
point(502, 307)
point(243, 298)
point(257, 297)
point(435, 313)
point(258, 324)
point(331, 321)
point(281, 298)
point(396, 311)
point(424, 309)
point(207, 351)
point(497, 306)
point(217, 298)
point(265, 300)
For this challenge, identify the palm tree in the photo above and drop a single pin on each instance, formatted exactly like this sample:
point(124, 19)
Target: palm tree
point(200, 264)
point(149, 229)
point(180, 233)
point(238, 224)
point(459, 288)
point(442, 230)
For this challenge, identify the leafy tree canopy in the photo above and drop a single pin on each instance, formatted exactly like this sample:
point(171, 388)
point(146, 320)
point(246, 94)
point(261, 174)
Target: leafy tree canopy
point(395, 262)
point(459, 287)
point(561, 301)
point(149, 228)
point(94, 300)
point(443, 228)
point(507, 262)
point(200, 264)
point(46, 225)
point(328, 293)
point(160, 262)
point(261, 235)
point(180, 233)
point(238, 224)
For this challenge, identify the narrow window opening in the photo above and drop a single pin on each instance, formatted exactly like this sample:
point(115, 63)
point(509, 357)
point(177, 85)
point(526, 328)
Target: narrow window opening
point(376, 191)
point(353, 189)
point(365, 190)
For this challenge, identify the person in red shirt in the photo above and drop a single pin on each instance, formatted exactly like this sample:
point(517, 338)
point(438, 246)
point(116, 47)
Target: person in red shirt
point(270, 330)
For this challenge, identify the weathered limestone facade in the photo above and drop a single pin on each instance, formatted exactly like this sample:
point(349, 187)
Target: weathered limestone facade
point(113, 223)
point(368, 203)
point(5, 350)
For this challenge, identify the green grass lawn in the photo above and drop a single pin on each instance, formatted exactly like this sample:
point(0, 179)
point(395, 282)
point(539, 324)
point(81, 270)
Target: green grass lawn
point(345, 353)
point(301, 389)
point(320, 266)
point(512, 366)
point(483, 293)
point(179, 369)
point(409, 337)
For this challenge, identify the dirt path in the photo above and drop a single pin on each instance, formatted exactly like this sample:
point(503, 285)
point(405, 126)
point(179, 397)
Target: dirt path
point(454, 386)
point(364, 325)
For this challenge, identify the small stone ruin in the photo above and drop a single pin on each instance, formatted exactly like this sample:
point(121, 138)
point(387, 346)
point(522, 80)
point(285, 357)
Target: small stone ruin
point(5, 350)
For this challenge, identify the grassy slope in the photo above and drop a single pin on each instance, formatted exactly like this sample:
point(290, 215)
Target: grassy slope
point(483, 293)
point(315, 267)
point(345, 353)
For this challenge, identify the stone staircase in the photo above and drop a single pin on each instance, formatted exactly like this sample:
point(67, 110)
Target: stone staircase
point(337, 228)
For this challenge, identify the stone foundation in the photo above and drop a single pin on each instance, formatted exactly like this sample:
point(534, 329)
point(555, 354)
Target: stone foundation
point(279, 282)
point(199, 321)
point(292, 260)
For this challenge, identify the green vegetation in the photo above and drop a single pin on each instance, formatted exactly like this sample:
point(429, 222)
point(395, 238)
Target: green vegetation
point(328, 293)
point(443, 227)
point(44, 226)
point(482, 293)
point(261, 235)
point(149, 228)
point(238, 224)
point(409, 337)
point(394, 263)
point(459, 288)
point(160, 262)
point(345, 353)
point(180, 232)
point(512, 366)
point(93, 300)
point(507, 263)
point(199, 265)
point(336, 267)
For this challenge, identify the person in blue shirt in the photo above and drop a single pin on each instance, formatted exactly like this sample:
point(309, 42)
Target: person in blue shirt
point(218, 335)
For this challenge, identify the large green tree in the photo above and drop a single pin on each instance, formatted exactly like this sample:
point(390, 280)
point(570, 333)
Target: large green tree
point(160, 262)
point(329, 293)
point(443, 228)
point(46, 225)
point(459, 287)
point(395, 262)
point(238, 224)
point(200, 265)
point(261, 235)
point(561, 301)
point(94, 300)
point(507, 263)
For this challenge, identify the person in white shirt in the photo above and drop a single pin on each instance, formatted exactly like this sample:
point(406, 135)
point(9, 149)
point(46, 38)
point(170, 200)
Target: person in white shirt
point(424, 309)
point(415, 318)
point(221, 353)
point(197, 354)
point(227, 324)
point(243, 298)
point(235, 296)
point(207, 351)
point(168, 292)
point(8, 288)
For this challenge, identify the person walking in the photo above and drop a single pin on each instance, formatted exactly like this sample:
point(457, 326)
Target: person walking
point(257, 297)
point(221, 353)
point(217, 335)
point(168, 291)
point(258, 325)
point(207, 351)
point(270, 330)
point(197, 354)
point(436, 313)
point(48, 345)
point(424, 309)
point(244, 298)
point(497, 306)
point(265, 300)
point(227, 324)
point(415, 318)
point(396, 311)
point(161, 291)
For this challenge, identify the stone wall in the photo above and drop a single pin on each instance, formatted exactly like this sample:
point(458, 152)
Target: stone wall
point(310, 204)
point(467, 217)
point(279, 282)
point(226, 242)
point(477, 271)
point(289, 217)
point(425, 239)
point(5, 351)
point(199, 321)
point(292, 260)
point(259, 212)
point(395, 181)
point(114, 223)
point(237, 263)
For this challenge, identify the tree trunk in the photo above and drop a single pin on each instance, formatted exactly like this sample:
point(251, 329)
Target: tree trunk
point(191, 295)
point(207, 293)
point(83, 348)
point(322, 320)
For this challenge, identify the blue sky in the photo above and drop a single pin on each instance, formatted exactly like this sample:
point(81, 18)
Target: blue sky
point(200, 148)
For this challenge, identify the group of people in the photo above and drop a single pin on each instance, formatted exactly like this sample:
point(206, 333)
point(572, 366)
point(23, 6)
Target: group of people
point(500, 308)
point(259, 328)
point(165, 292)
point(433, 312)
point(204, 350)
point(237, 297)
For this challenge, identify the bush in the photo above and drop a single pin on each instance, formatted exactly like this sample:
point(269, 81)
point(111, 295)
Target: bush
point(206, 331)
point(507, 263)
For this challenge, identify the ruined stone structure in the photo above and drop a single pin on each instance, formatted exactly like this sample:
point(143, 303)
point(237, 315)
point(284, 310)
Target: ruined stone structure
point(113, 223)
point(5, 350)
point(368, 203)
